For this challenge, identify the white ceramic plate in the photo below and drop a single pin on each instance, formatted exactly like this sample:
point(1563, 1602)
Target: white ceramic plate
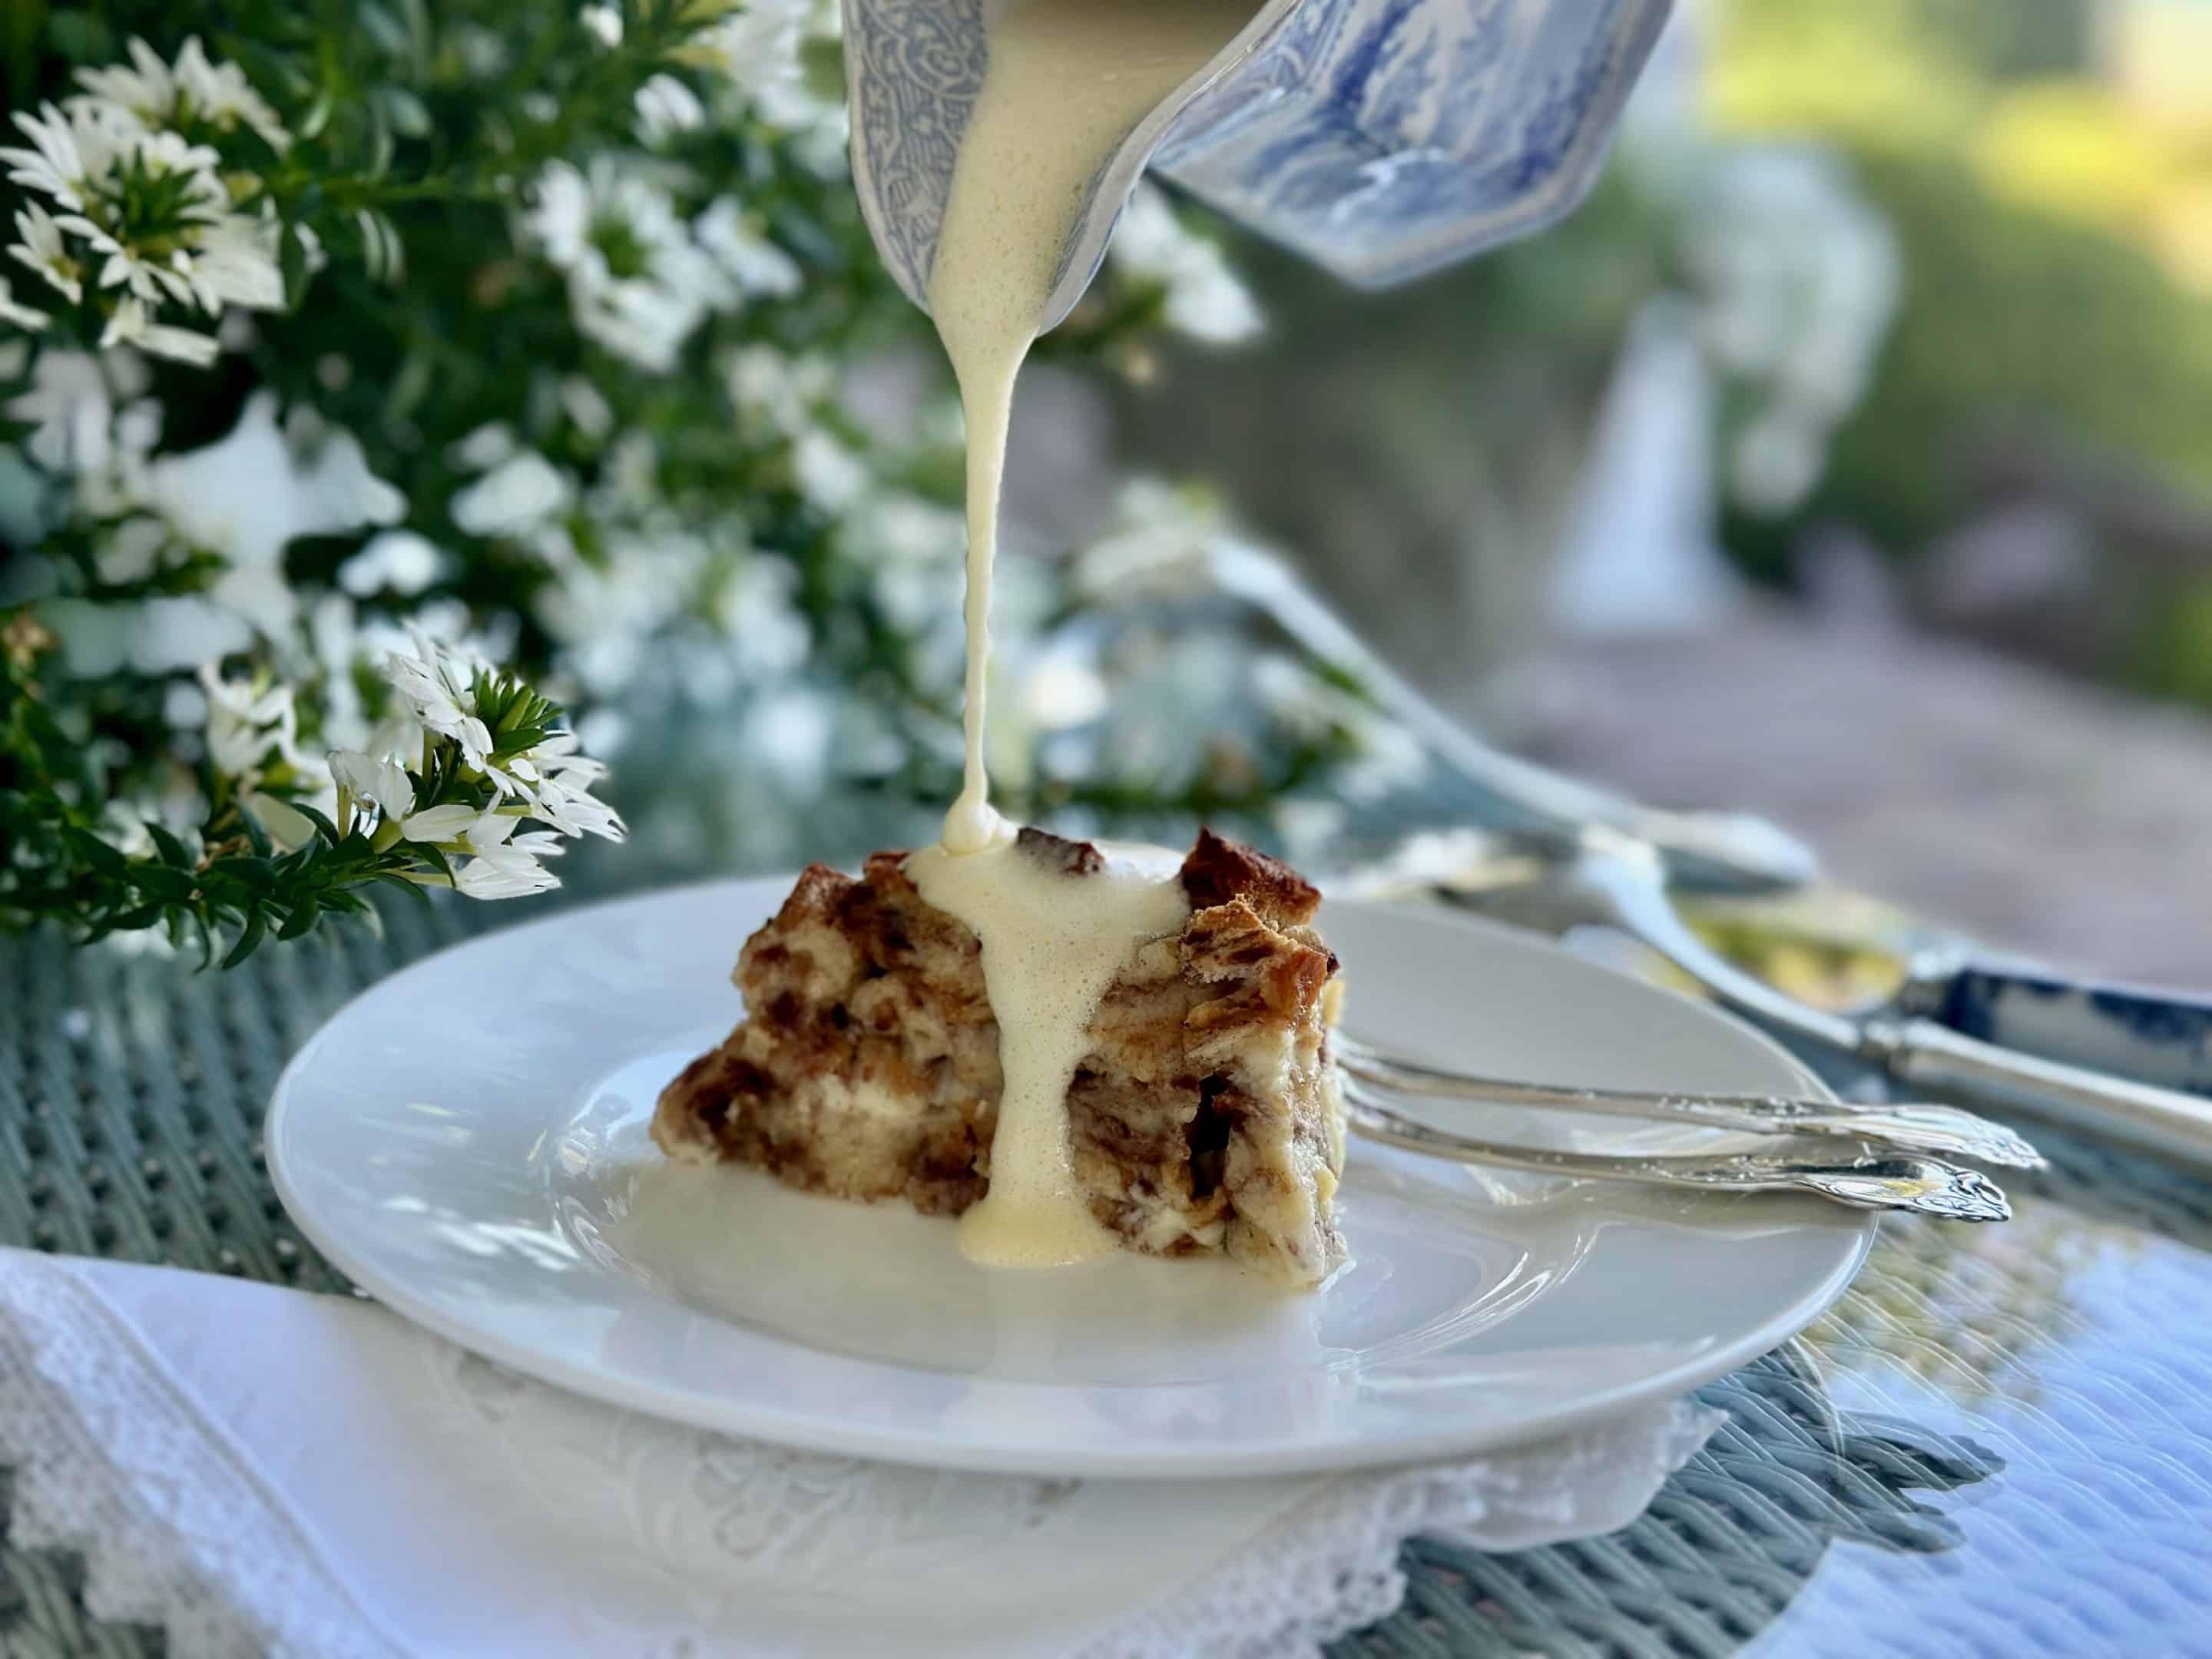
point(467, 1141)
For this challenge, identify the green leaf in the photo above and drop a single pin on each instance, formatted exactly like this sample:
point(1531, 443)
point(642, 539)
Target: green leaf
point(291, 262)
point(250, 940)
point(171, 848)
point(414, 889)
point(96, 853)
point(324, 827)
point(174, 886)
point(301, 920)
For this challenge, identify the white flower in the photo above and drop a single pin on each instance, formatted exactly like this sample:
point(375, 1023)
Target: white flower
point(146, 90)
point(570, 807)
point(519, 494)
point(638, 284)
point(247, 725)
point(665, 107)
point(758, 48)
point(605, 22)
point(1204, 299)
point(21, 316)
point(260, 488)
point(236, 264)
point(830, 475)
point(560, 218)
point(179, 241)
point(43, 251)
point(754, 263)
point(501, 873)
point(72, 410)
point(124, 828)
point(383, 783)
point(251, 728)
point(778, 390)
point(155, 95)
point(133, 326)
point(398, 560)
point(438, 686)
point(757, 609)
point(437, 823)
point(69, 151)
point(220, 96)
point(505, 864)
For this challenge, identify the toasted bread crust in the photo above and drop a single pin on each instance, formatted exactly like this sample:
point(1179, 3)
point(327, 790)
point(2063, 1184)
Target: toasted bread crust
point(1205, 1116)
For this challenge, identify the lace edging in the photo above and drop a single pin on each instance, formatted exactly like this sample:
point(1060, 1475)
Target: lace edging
point(176, 1528)
point(1330, 1566)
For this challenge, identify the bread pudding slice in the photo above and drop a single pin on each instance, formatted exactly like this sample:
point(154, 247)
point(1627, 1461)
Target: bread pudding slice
point(1204, 1116)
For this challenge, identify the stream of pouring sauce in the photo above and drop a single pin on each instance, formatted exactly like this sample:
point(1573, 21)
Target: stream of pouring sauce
point(1067, 81)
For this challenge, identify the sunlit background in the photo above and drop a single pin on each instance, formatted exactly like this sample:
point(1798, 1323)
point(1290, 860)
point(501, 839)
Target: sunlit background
point(1848, 456)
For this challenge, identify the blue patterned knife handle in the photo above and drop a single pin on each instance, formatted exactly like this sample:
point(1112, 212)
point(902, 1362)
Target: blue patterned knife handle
point(2136, 1031)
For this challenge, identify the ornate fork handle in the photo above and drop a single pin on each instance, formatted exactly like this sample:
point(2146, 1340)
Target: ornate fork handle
point(1870, 1180)
point(1907, 1127)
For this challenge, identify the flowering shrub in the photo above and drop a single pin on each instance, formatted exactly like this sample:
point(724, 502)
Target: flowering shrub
point(353, 350)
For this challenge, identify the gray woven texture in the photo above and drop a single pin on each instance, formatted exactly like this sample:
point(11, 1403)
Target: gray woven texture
point(2000, 1444)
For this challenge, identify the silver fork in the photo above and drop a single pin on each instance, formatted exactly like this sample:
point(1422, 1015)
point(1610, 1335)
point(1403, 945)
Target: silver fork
point(1900, 1127)
point(1889, 1164)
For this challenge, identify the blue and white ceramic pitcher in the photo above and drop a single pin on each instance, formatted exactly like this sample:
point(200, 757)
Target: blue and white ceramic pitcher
point(1380, 138)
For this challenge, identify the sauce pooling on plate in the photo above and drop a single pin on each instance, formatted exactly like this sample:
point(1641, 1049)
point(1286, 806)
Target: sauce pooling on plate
point(1067, 81)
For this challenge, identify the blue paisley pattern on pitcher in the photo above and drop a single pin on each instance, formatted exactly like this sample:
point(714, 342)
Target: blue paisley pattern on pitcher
point(1380, 138)
point(912, 70)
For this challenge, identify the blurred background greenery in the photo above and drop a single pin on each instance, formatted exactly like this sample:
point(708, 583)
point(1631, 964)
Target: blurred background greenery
point(2027, 457)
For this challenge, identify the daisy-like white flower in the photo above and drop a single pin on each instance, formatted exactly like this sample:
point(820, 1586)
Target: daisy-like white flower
point(666, 107)
point(438, 824)
point(574, 810)
point(246, 724)
point(131, 325)
point(147, 215)
point(754, 264)
point(562, 792)
point(143, 90)
point(197, 90)
point(382, 783)
point(153, 261)
point(504, 864)
point(502, 872)
point(236, 264)
point(19, 316)
point(438, 686)
point(69, 152)
point(41, 249)
point(221, 96)
point(637, 282)
point(249, 729)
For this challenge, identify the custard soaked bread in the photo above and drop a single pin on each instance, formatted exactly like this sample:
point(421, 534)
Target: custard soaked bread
point(1204, 1115)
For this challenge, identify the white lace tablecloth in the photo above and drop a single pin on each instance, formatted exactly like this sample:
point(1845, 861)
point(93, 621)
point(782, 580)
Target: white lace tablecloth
point(264, 1471)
